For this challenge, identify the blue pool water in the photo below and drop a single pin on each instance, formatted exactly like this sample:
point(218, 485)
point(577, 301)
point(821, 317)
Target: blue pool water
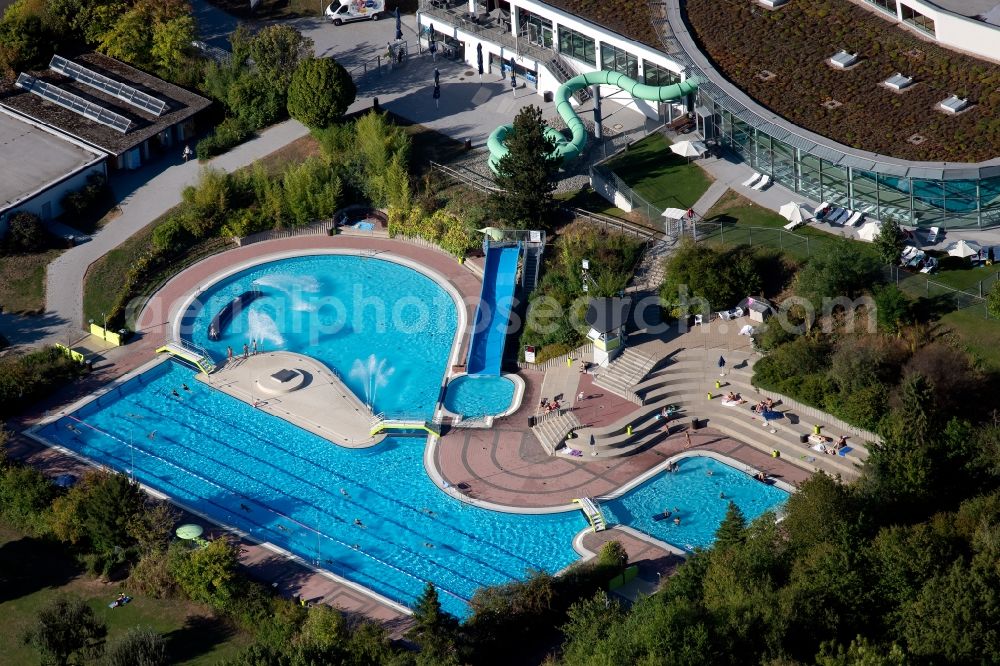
point(696, 495)
point(474, 396)
point(213, 453)
point(362, 316)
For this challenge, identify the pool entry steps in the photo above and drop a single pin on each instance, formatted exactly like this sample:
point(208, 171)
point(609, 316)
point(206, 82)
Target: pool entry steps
point(189, 353)
point(592, 510)
point(401, 425)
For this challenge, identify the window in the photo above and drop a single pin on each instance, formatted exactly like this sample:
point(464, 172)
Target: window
point(654, 75)
point(576, 45)
point(535, 29)
point(918, 20)
point(888, 6)
point(619, 60)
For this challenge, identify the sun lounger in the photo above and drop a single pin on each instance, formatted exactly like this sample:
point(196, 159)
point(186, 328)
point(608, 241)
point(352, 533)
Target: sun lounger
point(751, 180)
point(838, 216)
point(823, 210)
point(737, 312)
point(764, 181)
point(932, 235)
point(854, 219)
point(792, 226)
point(725, 315)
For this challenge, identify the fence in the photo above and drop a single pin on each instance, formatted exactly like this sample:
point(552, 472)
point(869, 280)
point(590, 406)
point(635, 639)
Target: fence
point(581, 353)
point(819, 417)
point(616, 223)
point(606, 183)
point(394, 56)
point(466, 177)
point(738, 234)
point(942, 296)
point(317, 228)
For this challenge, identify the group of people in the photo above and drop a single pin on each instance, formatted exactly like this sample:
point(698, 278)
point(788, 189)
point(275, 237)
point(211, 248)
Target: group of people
point(249, 350)
point(763, 407)
point(550, 406)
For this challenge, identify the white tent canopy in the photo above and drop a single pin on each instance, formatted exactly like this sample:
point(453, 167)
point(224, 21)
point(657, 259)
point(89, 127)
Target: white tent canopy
point(869, 231)
point(675, 213)
point(688, 148)
point(964, 248)
point(795, 212)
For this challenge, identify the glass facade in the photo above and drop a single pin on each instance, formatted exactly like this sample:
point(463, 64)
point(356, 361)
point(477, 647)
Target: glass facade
point(951, 203)
point(535, 29)
point(918, 20)
point(619, 60)
point(577, 45)
point(654, 75)
point(888, 6)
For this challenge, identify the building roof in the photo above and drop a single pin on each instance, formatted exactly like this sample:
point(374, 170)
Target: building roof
point(607, 314)
point(32, 159)
point(628, 19)
point(182, 104)
point(969, 8)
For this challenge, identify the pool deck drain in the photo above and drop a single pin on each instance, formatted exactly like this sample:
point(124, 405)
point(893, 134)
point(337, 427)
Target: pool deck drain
point(311, 396)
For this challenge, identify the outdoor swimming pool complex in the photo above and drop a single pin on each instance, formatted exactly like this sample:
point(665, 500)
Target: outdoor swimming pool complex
point(257, 472)
point(475, 396)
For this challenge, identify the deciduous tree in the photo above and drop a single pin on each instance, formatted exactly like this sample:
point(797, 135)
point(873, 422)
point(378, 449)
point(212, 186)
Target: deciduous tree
point(63, 628)
point(320, 92)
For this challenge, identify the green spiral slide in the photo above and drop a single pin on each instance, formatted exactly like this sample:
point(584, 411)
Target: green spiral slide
point(570, 149)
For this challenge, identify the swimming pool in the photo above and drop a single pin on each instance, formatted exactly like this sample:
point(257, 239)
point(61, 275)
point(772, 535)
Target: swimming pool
point(692, 493)
point(362, 316)
point(217, 454)
point(474, 396)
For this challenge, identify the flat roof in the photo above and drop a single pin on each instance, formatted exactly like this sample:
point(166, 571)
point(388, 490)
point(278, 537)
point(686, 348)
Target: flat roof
point(632, 20)
point(32, 158)
point(970, 8)
point(182, 104)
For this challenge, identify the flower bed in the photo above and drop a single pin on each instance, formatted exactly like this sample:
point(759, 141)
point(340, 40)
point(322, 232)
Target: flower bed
point(743, 39)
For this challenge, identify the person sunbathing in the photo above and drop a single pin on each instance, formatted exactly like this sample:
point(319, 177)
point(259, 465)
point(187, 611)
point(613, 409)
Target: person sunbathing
point(731, 397)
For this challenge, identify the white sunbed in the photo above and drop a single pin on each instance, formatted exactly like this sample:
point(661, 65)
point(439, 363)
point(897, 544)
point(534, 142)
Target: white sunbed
point(932, 235)
point(764, 181)
point(725, 315)
point(737, 312)
point(854, 219)
point(791, 226)
point(751, 180)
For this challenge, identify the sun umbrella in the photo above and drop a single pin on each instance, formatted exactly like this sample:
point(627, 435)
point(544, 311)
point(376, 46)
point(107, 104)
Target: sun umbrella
point(964, 248)
point(674, 213)
point(688, 148)
point(189, 531)
point(795, 212)
point(869, 231)
point(493, 232)
point(399, 25)
point(479, 57)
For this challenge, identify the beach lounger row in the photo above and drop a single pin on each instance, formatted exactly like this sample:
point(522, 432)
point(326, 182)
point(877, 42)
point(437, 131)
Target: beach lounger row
point(757, 181)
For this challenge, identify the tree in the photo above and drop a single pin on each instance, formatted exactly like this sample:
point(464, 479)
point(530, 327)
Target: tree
point(993, 300)
point(320, 92)
point(893, 308)
point(526, 174)
point(860, 653)
point(64, 627)
point(435, 629)
point(732, 529)
point(275, 51)
point(171, 43)
point(26, 233)
point(841, 271)
point(207, 574)
point(613, 555)
point(140, 646)
point(25, 497)
point(889, 241)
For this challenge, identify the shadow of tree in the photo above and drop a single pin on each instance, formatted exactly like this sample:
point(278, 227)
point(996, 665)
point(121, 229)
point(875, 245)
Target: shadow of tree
point(198, 635)
point(29, 565)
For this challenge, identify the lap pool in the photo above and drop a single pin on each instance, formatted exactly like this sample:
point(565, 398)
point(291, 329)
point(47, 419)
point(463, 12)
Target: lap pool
point(370, 515)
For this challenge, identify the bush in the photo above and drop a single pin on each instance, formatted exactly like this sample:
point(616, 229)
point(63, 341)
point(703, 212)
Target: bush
point(140, 646)
point(613, 555)
point(88, 198)
point(150, 576)
point(26, 233)
point(25, 498)
point(28, 377)
point(229, 133)
point(320, 92)
point(171, 236)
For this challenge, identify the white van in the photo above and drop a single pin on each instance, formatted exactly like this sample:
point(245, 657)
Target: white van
point(346, 11)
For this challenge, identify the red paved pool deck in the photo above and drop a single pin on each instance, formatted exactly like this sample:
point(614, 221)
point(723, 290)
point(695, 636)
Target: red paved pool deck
point(504, 465)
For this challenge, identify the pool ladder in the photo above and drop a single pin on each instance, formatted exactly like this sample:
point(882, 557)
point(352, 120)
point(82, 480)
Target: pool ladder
point(592, 510)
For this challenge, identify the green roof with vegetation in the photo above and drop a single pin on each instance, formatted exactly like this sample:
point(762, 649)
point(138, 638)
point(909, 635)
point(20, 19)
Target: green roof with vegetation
point(631, 20)
point(794, 43)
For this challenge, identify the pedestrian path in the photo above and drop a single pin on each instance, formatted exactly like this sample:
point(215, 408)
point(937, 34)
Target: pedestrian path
point(64, 280)
point(710, 197)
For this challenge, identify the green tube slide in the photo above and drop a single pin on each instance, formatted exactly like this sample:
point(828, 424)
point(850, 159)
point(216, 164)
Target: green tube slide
point(570, 149)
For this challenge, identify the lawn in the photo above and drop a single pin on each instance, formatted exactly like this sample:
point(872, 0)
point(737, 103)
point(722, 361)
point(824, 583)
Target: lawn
point(976, 333)
point(22, 281)
point(195, 635)
point(656, 174)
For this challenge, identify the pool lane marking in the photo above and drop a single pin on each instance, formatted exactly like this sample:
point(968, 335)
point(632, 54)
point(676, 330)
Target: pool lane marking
point(270, 510)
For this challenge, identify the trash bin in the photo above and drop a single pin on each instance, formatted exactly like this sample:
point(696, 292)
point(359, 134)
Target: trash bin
point(695, 424)
point(547, 96)
point(375, 104)
point(804, 439)
point(468, 144)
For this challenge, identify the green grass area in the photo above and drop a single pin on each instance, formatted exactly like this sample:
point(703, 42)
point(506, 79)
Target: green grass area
point(104, 279)
point(656, 174)
point(22, 281)
point(588, 199)
point(976, 333)
point(195, 635)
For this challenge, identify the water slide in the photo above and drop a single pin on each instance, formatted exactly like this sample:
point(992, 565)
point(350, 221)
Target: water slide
point(493, 312)
point(570, 149)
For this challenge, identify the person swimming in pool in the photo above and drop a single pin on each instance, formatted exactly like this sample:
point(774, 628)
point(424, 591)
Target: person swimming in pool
point(428, 544)
point(343, 492)
point(357, 521)
point(174, 393)
point(185, 387)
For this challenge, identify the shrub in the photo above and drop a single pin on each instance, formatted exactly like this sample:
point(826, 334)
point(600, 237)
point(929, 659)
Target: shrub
point(65, 627)
point(229, 133)
point(140, 646)
point(85, 200)
point(613, 555)
point(150, 576)
point(206, 574)
point(25, 497)
point(27, 377)
point(320, 92)
point(26, 233)
point(171, 236)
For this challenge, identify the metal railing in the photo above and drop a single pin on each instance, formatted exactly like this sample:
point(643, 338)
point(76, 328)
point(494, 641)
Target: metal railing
point(466, 177)
point(921, 285)
point(485, 28)
point(606, 182)
point(317, 228)
point(616, 223)
point(395, 55)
